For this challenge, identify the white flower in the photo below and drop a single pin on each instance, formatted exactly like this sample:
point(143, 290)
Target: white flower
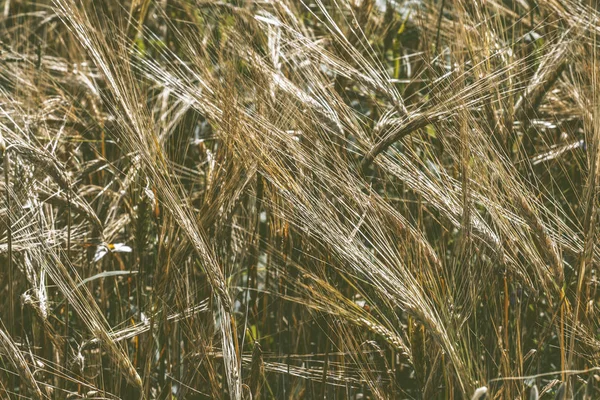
point(112, 247)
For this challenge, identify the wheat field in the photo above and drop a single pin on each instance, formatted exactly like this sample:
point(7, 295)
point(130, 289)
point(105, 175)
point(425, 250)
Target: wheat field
point(294, 199)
